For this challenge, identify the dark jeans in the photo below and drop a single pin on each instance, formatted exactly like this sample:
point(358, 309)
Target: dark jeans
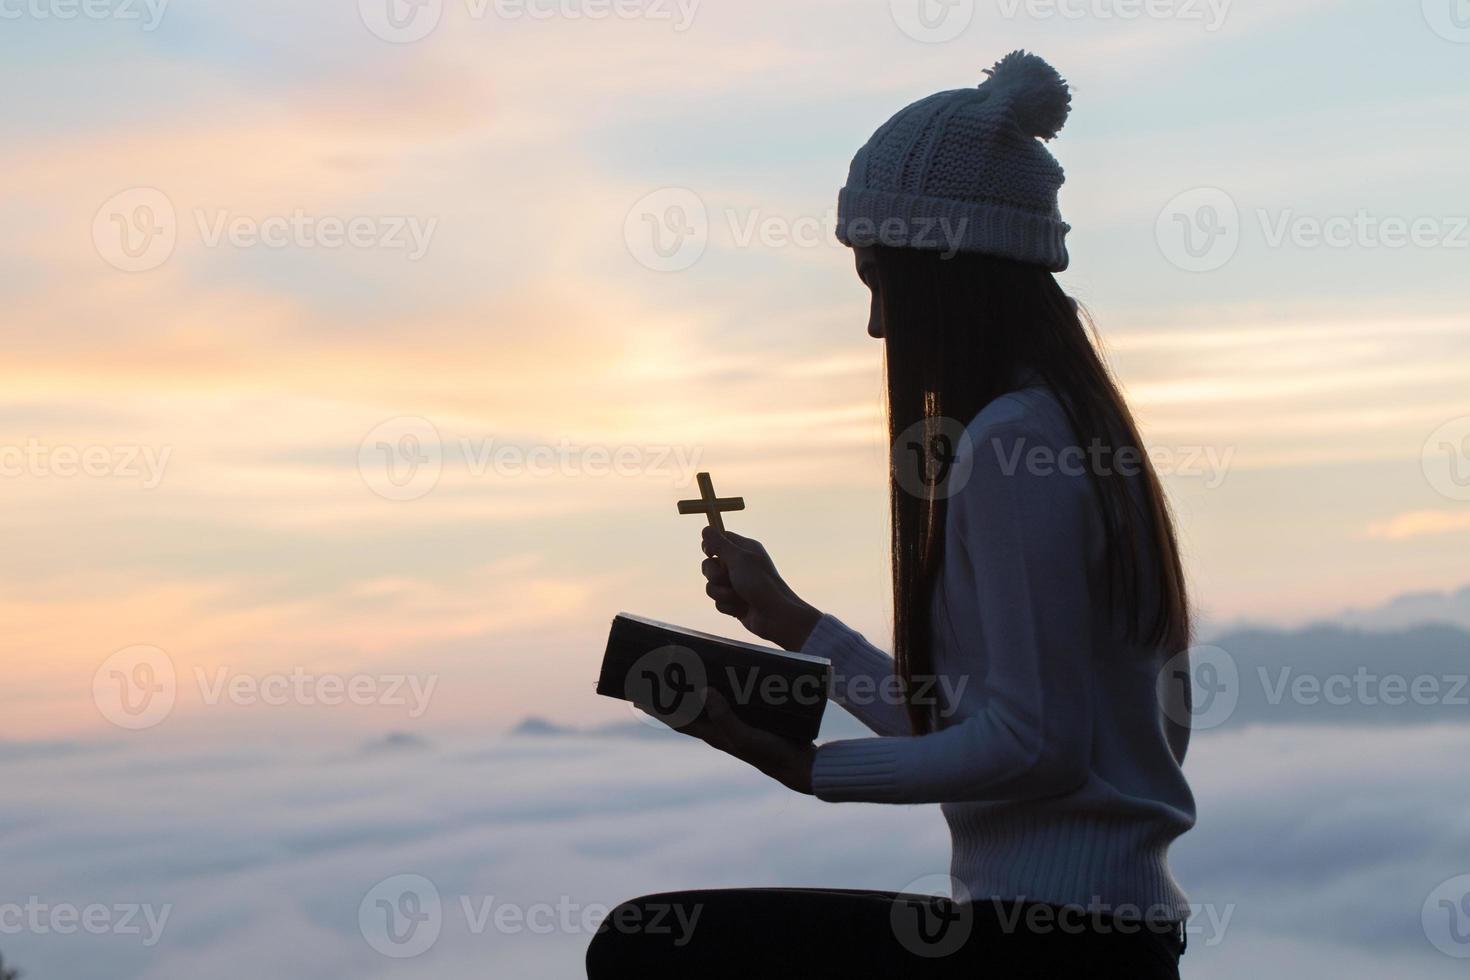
point(814, 933)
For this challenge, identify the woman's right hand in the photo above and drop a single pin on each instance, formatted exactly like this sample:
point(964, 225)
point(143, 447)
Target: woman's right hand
point(743, 582)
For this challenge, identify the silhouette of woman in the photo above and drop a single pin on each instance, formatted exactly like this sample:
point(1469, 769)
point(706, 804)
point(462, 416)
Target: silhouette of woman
point(1038, 597)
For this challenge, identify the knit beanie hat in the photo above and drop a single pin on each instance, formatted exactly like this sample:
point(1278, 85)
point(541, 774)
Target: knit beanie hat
point(965, 171)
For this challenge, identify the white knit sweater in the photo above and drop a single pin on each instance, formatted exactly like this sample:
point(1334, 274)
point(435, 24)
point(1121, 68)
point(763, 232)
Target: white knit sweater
point(1053, 755)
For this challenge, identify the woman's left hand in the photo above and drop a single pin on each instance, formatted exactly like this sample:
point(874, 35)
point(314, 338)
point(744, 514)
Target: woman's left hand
point(786, 760)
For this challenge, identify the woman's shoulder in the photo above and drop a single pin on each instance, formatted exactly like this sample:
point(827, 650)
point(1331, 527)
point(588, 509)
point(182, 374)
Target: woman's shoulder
point(1026, 435)
point(1032, 410)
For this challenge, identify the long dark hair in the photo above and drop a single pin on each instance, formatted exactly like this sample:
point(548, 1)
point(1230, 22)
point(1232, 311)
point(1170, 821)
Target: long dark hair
point(959, 332)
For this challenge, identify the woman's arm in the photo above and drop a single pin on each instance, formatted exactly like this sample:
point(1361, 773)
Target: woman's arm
point(863, 679)
point(1022, 534)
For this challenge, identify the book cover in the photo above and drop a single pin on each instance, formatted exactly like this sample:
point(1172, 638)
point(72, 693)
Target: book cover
point(663, 667)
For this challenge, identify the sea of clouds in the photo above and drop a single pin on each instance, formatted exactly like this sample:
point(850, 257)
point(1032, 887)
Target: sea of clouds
point(1317, 854)
point(1334, 836)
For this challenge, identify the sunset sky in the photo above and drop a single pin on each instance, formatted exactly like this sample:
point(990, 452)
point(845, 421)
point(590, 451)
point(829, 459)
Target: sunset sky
point(258, 254)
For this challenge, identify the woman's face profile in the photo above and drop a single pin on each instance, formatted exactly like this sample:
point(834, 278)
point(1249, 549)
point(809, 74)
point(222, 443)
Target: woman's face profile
point(867, 270)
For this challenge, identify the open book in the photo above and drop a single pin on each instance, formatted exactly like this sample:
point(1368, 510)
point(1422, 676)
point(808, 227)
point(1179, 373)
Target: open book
point(663, 668)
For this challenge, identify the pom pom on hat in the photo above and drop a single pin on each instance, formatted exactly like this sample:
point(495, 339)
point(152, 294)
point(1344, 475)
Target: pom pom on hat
point(1039, 97)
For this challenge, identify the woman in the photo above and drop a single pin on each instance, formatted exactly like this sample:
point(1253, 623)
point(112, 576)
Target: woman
point(1037, 590)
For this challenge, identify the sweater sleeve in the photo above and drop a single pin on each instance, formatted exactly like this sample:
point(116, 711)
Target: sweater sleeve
point(863, 680)
point(1022, 533)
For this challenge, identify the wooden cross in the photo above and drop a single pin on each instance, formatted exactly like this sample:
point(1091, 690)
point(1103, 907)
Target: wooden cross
point(710, 505)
